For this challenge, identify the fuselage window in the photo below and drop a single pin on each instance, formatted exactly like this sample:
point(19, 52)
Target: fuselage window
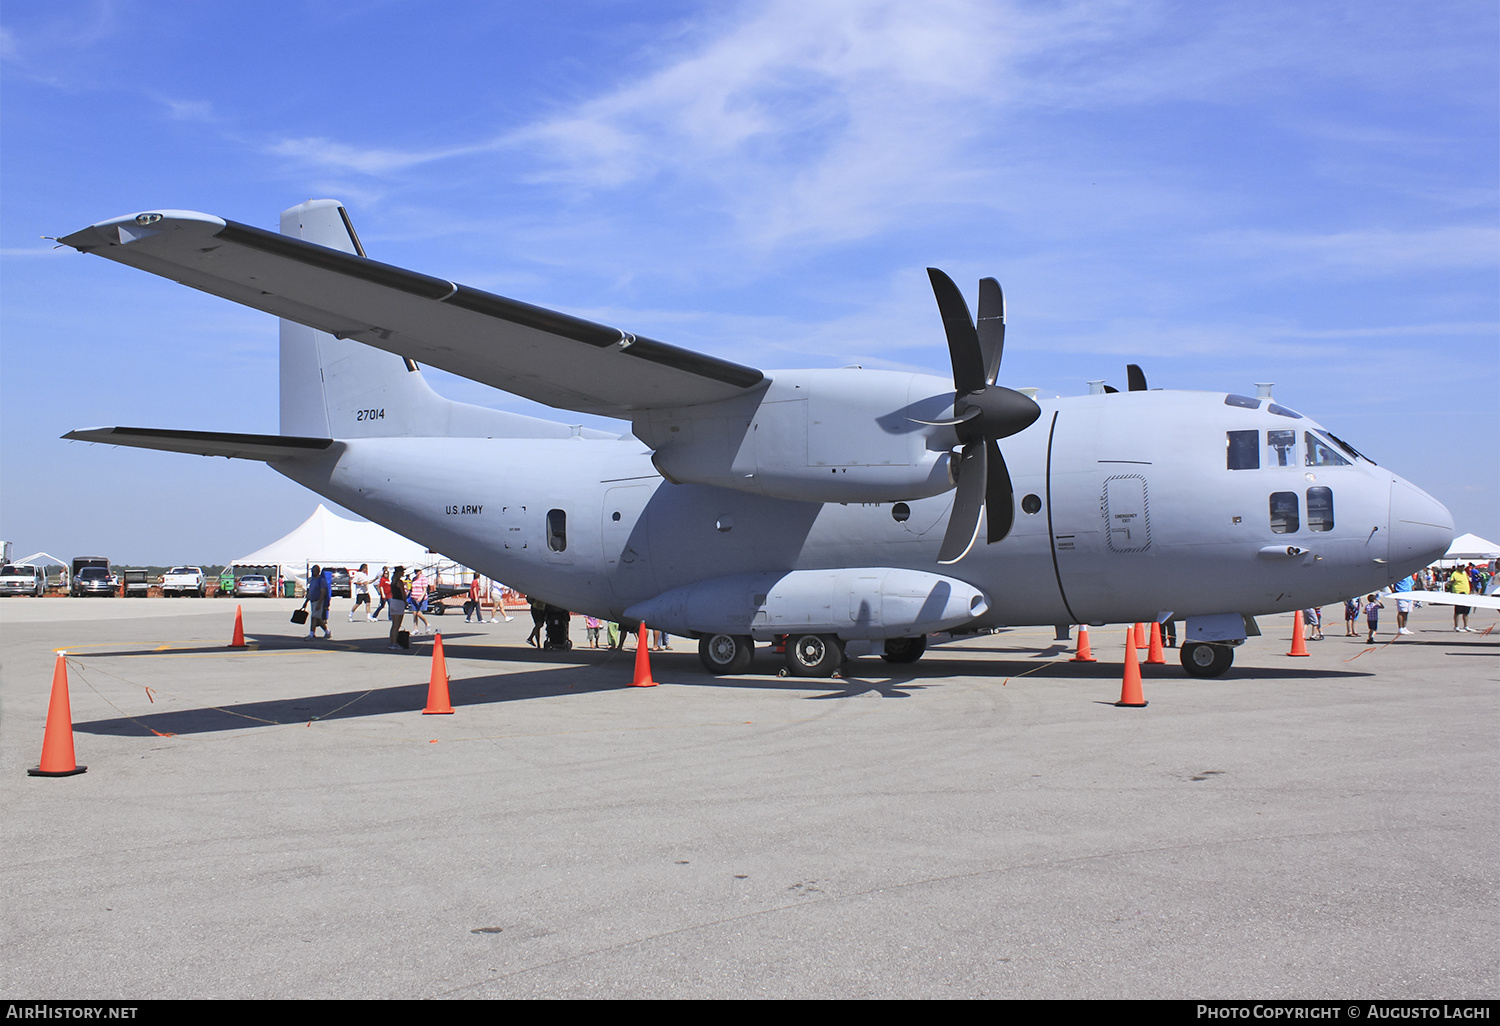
point(1320, 454)
point(1242, 450)
point(1284, 517)
point(1281, 443)
point(557, 530)
point(1320, 509)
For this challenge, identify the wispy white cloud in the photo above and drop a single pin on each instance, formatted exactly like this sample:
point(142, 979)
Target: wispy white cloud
point(1375, 251)
point(325, 153)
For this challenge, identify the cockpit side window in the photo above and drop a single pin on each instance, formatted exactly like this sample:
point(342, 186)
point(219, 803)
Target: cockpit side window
point(1244, 402)
point(1242, 450)
point(1321, 454)
point(1281, 444)
point(1284, 515)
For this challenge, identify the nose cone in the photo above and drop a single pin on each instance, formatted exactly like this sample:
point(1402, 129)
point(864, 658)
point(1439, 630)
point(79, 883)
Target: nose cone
point(1421, 527)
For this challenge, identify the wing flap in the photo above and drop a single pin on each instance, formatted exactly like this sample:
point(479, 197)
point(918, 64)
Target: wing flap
point(232, 445)
point(551, 357)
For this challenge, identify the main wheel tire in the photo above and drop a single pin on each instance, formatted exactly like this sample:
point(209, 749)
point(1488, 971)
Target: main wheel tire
point(726, 654)
point(814, 655)
point(904, 650)
point(1203, 660)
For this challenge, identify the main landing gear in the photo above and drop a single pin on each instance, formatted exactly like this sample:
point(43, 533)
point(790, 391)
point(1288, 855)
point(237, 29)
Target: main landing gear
point(807, 655)
point(726, 654)
point(1201, 659)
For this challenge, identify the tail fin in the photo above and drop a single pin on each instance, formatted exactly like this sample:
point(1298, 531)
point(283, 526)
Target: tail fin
point(339, 388)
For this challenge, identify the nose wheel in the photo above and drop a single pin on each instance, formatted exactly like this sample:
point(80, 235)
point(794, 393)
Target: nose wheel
point(1200, 659)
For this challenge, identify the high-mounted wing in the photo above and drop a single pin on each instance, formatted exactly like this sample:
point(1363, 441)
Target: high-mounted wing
point(541, 354)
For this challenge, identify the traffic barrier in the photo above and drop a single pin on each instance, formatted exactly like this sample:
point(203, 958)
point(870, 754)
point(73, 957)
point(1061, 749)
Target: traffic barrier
point(1085, 655)
point(437, 684)
point(1156, 655)
point(642, 662)
point(57, 742)
point(1299, 645)
point(1130, 687)
point(238, 641)
point(1140, 635)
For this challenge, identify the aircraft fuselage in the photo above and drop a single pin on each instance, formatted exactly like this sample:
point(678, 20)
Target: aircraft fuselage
point(1128, 506)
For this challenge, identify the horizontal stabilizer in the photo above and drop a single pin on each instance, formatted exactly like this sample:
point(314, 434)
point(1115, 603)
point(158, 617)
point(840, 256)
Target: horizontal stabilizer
point(229, 444)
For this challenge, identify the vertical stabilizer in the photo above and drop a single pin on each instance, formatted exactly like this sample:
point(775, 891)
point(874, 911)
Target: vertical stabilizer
point(339, 388)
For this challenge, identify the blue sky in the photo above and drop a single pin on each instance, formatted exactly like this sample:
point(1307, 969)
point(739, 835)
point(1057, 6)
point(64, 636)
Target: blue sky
point(1222, 192)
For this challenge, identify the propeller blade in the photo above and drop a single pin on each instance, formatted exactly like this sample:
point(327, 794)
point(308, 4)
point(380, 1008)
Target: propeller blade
point(963, 341)
point(1135, 377)
point(968, 501)
point(991, 326)
point(999, 496)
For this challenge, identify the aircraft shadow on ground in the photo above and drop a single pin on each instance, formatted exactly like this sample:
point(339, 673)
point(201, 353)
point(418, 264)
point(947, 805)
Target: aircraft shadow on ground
point(586, 671)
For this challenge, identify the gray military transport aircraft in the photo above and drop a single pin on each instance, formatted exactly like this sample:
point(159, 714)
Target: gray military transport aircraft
point(822, 506)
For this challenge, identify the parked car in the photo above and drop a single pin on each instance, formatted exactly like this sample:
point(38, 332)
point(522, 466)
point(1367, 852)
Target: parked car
point(94, 580)
point(341, 585)
point(184, 580)
point(253, 584)
point(21, 579)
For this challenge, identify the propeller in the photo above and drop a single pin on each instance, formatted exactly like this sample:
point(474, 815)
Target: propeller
point(1135, 380)
point(983, 412)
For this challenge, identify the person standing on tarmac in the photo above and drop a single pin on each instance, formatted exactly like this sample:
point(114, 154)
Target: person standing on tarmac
point(398, 606)
point(319, 590)
point(416, 602)
point(360, 581)
point(384, 587)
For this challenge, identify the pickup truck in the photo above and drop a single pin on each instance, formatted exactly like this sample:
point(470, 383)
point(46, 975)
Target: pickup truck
point(184, 580)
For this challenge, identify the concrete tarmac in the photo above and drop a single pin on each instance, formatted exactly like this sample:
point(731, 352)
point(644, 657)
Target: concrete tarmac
point(284, 822)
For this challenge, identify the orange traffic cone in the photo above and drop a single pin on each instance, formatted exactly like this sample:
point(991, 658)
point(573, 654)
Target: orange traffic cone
point(1140, 635)
point(437, 685)
point(1299, 646)
point(57, 742)
point(238, 641)
point(1130, 688)
point(642, 663)
point(1084, 654)
point(1156, 655)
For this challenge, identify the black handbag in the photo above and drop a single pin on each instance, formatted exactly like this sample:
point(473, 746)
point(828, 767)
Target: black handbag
point(299, 616)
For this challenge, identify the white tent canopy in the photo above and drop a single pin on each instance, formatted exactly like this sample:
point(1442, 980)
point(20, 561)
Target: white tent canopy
point(1470, 546)
point(328, 539)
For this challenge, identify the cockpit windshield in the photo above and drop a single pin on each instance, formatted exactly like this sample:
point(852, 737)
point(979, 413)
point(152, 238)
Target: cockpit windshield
point(1321, 453)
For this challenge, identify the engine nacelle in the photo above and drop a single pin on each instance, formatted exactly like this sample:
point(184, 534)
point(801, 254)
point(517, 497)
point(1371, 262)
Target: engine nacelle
point(847, 435)
point(854, 603)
